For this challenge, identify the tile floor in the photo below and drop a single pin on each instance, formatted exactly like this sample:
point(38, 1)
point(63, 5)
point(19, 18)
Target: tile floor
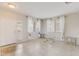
point(43, 47)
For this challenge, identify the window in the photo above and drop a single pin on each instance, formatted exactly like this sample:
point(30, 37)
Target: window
point(60, 24)
point(37, 28)
point(50, 25)
point(34, 25)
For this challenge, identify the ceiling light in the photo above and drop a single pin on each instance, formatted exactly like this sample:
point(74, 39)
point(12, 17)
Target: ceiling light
point(11, 5)
point(67, 3)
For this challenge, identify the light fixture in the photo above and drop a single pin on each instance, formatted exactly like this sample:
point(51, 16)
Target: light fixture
point(11, 5)
point(67, 3)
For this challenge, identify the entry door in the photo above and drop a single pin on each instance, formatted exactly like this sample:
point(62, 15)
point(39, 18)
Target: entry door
point(21, 31)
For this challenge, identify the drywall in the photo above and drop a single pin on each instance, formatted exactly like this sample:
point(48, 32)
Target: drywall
point(72, 25)
point(8, 26)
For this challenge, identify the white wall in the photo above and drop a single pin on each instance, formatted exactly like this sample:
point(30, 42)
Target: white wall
point(72, 25)
point(8, 22)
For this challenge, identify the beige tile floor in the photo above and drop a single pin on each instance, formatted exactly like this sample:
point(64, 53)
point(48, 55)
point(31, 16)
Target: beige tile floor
point(41, 47)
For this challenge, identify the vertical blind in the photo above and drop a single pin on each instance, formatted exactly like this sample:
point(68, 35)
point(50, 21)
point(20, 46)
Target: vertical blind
point(33, 25)
point(37, 26)
point(50, 25)
point(55, 25)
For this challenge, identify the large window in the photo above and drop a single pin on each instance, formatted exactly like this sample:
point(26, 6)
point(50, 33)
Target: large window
point(50, 25)
point(60, 24)
point(37, 28)
point(33, 25)
point(55, 25)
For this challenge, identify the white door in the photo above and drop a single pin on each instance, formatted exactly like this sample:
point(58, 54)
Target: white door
point(21, 30)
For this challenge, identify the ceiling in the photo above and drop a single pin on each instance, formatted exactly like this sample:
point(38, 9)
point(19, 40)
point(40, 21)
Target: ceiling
point(43, 9)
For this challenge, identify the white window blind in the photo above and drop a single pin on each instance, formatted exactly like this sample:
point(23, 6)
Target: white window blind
point(37, 28)
point(50, 25)
point(60, 24)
